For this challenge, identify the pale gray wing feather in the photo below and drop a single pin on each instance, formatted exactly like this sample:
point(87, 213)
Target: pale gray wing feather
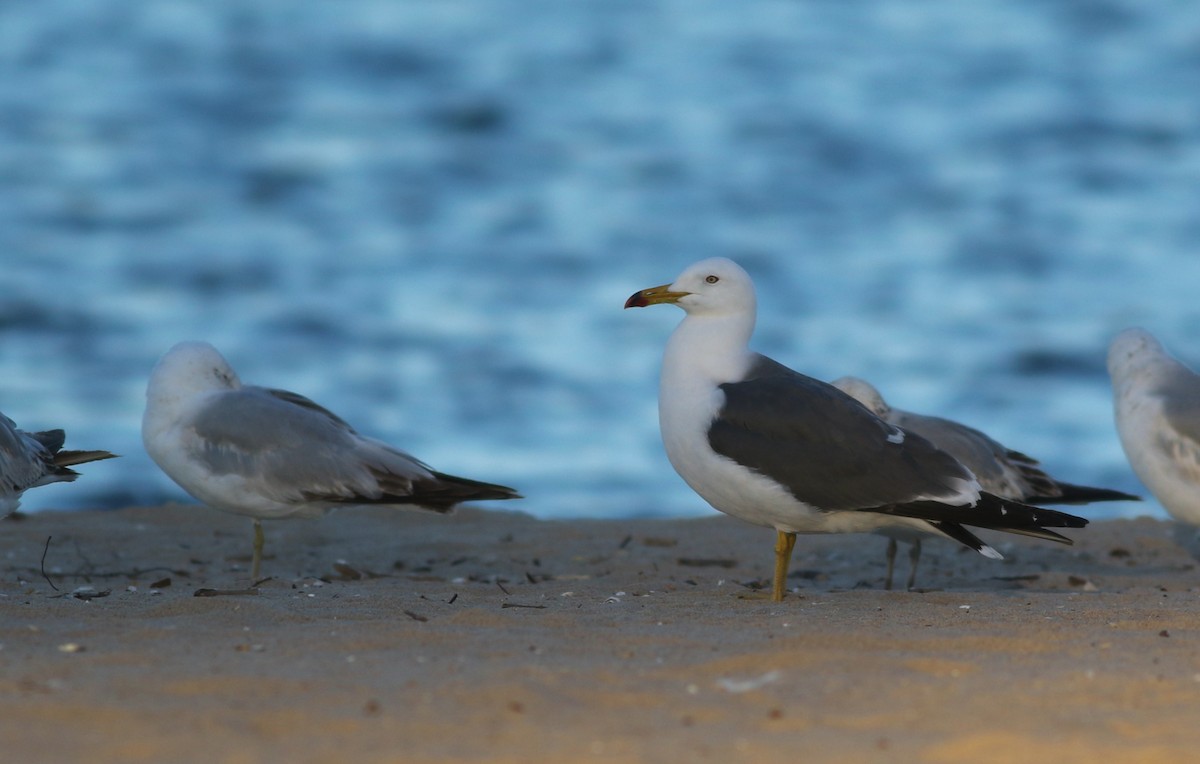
point(1179, 390)
point(295, 450)
point(1000, 470)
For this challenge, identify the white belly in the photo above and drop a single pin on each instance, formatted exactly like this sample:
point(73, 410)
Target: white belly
point(1167, 463)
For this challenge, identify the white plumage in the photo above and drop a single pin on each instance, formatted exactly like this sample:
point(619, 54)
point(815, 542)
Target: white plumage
point(1156, 401)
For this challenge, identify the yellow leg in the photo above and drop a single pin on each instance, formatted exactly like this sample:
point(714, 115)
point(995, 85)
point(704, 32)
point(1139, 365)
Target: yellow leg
point(256, 561)
point(784, 544)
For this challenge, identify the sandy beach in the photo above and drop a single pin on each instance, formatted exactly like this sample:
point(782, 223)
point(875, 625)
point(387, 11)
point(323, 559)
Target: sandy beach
point(494, 636)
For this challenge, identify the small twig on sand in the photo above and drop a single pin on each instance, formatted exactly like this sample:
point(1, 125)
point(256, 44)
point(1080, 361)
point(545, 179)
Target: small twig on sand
point(44, 551)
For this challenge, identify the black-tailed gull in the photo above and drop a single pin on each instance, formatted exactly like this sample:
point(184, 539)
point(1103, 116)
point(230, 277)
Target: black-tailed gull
point(270, 453)
point(31, 459)
point(1156, 400)
point(1000, 470)
point(774, 447)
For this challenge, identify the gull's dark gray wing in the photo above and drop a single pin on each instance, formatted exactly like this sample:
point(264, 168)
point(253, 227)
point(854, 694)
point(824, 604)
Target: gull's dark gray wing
point(826, 448)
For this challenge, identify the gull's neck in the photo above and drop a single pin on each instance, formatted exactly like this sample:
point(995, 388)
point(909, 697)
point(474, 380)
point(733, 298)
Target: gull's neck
point(709, 349)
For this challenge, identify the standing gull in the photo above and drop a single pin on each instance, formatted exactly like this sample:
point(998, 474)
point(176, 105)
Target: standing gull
point(773, 447)
point(270, 453)
point(31, 459)
point(1156, 400)
point(1000, 470)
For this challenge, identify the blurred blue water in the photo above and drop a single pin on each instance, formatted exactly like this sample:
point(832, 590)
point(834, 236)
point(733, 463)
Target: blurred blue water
point(427, 215)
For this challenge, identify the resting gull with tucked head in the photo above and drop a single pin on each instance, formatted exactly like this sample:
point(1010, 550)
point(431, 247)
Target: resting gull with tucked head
point(270, 453)
point(1000, 470)
point(1156, 400)
point(32, 459)
point(777, 448)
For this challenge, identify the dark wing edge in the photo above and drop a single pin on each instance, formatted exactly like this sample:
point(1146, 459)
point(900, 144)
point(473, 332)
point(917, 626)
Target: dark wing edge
point(299, 400)
point(993, 513)
point(440, 492)
point(1067, 493)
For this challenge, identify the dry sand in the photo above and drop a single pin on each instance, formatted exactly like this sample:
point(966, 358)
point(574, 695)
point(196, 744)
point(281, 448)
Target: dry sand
point(492, 636)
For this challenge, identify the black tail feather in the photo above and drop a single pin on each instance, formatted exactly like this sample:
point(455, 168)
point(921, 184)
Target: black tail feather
point(960, 534)
point(447, 490)
point(51, 440)
point(970, 540)
point(993, 513)
point(1081, 494)
point(440, 493)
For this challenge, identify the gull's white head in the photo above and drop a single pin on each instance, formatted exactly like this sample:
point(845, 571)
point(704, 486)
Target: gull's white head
point(716, 286)
point(1132, 351)
point(865, 393)
point(190, 368)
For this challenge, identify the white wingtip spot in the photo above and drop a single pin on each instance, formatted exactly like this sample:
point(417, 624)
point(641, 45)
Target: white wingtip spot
point(896, 436)
point(990, 553)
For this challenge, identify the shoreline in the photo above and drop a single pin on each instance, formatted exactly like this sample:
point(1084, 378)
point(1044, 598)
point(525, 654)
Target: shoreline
point(493, 636)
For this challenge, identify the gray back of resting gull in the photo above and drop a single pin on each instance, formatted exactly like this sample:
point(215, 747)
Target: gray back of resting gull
point(1000, 470)
point(774, 447)
point(1156, 401)
point(32, 459)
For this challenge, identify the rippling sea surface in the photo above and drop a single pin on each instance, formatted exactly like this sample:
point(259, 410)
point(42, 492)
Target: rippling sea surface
point(427, 215)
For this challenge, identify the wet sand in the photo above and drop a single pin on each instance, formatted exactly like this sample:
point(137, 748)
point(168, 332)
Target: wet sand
point(493, 636)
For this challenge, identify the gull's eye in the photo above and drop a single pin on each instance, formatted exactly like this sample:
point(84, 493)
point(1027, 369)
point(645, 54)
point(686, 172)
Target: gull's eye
point(712, 279)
